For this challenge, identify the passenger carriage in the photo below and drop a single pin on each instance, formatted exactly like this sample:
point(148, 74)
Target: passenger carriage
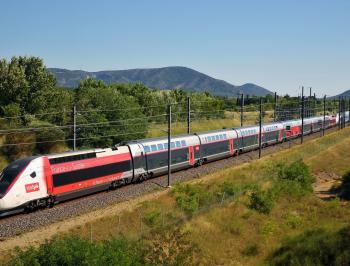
point(151, 155)
point(292, 128)
point(217, 144)
point(247, 138)
point(272, 133)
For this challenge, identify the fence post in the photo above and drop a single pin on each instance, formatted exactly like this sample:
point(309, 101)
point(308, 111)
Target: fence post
point(90, 232)
point(344, 109)
point(302, 114)
point(242, 109)
point(74, 127)
point(169, 146)
point(260, 126)
point(339, 113)
point(275, 108)
point(349, 111)
point(314, 112)
point(309, 103)
point(188, 115)
point(324, 115)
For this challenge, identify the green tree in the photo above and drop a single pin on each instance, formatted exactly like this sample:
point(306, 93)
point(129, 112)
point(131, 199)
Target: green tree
point(107, 117)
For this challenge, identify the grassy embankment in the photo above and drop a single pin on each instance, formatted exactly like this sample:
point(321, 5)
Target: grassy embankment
point(216, 213)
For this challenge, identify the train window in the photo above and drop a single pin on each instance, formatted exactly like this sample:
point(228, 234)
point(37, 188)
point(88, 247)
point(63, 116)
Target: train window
point(172, 145)
point(178, 144)
point(225, 136)
point(165, 146)
point(287, 127)
point(160, 146)
point(33, 175)
point(217, 137)
point(147, 149)
point(154, 147)
point(183, 143)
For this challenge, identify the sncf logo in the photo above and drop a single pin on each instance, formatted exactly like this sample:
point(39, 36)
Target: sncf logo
point(32, 187)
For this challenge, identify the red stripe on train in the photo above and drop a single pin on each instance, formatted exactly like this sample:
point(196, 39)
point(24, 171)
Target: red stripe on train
point(88, 163)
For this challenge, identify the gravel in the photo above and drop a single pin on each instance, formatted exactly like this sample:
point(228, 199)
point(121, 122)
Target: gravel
point(17, 224)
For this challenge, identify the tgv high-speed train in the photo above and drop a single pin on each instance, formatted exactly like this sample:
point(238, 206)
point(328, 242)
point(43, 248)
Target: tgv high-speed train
point(42, 181)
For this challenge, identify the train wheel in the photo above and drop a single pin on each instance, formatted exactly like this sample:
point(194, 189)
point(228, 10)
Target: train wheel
point(31, 206)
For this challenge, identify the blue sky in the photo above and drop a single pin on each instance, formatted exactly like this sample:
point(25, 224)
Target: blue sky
point(277, 44)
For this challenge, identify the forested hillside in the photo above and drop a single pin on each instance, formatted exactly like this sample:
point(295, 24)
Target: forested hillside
point(167, 78)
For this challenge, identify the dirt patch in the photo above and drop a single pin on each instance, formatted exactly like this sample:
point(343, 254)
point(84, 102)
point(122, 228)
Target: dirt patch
point(325, 183)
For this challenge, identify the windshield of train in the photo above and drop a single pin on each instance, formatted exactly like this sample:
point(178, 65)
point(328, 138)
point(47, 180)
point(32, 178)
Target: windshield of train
point(9, 174)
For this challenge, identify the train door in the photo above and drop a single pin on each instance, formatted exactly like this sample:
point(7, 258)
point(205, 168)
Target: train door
point(191, 155)
point(231, 147)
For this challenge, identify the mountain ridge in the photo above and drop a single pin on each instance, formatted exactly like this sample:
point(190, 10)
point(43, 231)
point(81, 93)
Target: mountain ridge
point(343, 94)
point(166, 78)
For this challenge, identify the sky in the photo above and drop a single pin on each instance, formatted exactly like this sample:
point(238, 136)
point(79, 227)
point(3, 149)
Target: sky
point(278, 44)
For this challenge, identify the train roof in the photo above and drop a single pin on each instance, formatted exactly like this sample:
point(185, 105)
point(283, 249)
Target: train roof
point(213, 131)
point(70, 153)
point(161, 138)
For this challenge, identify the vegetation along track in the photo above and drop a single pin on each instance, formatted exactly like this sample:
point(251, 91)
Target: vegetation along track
point(14, 225)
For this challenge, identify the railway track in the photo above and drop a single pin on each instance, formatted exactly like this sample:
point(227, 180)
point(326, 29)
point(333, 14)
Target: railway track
point(20, 223)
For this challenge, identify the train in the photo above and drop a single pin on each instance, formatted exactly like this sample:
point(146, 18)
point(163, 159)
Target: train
point(42, 181)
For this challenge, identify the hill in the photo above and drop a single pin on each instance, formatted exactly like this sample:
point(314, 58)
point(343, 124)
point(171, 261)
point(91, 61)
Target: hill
point(344, 94)
point(165, 78)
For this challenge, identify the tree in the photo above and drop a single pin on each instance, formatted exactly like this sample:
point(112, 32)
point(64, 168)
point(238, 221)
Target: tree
point(22, 80)
point(109, 117)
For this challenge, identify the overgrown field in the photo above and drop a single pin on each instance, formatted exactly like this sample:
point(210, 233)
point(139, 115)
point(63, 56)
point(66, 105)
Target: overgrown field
point(264, 212)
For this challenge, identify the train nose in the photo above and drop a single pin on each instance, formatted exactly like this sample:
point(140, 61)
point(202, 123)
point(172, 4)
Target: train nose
point(1, 205)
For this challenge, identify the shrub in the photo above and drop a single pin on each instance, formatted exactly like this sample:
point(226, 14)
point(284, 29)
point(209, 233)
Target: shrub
point(262, 201)
point(293, 220)
point(77, 251)
point(229, 188)
point(268, 228)
point(171, 248)
point(345, 186)
point(153, 217)
point(316, 247)
point(190, 198)
point(293, 179)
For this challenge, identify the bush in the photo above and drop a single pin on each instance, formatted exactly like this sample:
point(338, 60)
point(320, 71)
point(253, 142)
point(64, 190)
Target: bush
point(153, 218)
point(293, 179)
point(268, 228)
point(317, 247)
point(229, 189)
point(262, 201)
point(293, 220)
point(190, 198)
point(345, 186)
point(77, 251)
